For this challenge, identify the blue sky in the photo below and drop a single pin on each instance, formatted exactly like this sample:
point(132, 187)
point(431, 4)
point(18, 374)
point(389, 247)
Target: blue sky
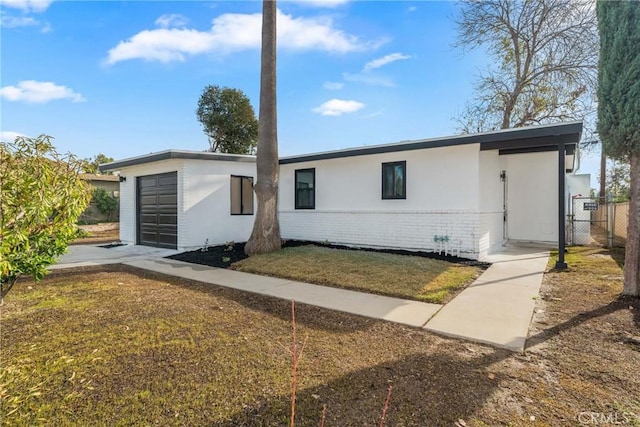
point(124, 78)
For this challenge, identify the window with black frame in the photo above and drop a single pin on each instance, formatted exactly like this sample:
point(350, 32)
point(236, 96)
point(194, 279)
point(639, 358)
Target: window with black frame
point(394, 180)
point(305, 189)
point(241, 195)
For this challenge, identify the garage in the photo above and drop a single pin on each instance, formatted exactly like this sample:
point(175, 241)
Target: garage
point(158, 210)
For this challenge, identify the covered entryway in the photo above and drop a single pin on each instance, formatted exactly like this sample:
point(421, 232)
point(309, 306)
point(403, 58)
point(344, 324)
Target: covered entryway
point(158, 210)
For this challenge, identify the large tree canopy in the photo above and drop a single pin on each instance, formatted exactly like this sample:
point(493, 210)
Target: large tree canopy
point(228, 120)
point(41, 197)
point(619, 111)
point(544, 61)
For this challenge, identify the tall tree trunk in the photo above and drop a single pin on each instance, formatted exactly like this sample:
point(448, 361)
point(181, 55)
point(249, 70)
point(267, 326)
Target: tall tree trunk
point(632, 250)
point(603, 172)
point(265, 236)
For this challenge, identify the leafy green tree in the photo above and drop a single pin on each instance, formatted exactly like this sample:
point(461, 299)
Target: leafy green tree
point(619, 111)
point(265, 236)
point(544, 59)
point(617, 181)
point(228, 120)
point(105, 202)
point(41, 198)
point(92, 165)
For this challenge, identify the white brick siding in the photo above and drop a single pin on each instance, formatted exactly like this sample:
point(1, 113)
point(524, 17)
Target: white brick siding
point(412, 230)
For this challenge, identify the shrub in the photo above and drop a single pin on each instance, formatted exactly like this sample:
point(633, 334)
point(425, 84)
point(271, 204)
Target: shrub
point(105, 202)
point(41, 198)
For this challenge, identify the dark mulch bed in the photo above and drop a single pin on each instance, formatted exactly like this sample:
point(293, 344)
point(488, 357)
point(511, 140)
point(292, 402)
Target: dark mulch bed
point(223, 256)
point(214, 256)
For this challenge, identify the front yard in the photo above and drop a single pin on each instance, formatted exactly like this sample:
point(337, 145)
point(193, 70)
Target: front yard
point(403, 276)
point(120, 346)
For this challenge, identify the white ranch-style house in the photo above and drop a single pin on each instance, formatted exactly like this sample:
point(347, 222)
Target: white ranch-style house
point(464, 194)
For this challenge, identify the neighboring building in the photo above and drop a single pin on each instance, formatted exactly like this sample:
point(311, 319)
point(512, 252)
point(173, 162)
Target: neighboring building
point(464, 194)
point(111, 184)
point(108, 182)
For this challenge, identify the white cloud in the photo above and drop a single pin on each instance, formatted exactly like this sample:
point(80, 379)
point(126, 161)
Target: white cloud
point(233, 32)
point(322, 3)
point(333, 85)
point(9, 135)
point(387, 59)
point(412, 9)
point(7, 21)
point(337, 107)
point(374, 114)
point(27, 5)
point(172, 20)
point(369, 79)
point(36, 92)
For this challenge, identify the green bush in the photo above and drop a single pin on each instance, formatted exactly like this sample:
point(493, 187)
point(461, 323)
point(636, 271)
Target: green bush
point(105, 202)
point(41, 198)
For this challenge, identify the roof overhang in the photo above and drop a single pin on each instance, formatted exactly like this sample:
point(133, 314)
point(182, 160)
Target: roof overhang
point(520, 140)
point(175, 154)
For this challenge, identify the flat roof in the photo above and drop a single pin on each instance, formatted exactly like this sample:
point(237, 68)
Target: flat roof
point(175, 154)
point(525, 139)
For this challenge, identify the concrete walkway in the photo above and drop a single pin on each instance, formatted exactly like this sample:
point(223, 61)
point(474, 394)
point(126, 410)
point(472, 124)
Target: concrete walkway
point(496, 309)
point(397, 310)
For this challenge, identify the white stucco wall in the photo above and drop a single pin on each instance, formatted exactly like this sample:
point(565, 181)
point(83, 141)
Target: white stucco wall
point(532, 206)
point(491, 202)
point(206, 201)
point(442, 200)
point(204, 194)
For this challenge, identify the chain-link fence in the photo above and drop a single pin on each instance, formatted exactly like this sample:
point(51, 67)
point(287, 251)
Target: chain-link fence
point(596, 221)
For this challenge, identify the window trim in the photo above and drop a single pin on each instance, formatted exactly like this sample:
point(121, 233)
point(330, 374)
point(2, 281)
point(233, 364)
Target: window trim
point(242, 177)
point(295, 188)
point(404, 180)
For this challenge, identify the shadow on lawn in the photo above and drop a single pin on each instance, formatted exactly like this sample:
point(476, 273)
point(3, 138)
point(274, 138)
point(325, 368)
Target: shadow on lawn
point(311, 317)
point(427, 391)
point(621, 303)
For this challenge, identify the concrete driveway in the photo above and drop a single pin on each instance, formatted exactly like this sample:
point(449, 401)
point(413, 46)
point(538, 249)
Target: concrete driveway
point(88, 255)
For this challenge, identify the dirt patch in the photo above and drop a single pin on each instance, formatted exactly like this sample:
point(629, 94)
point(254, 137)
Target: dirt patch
point(99, 233)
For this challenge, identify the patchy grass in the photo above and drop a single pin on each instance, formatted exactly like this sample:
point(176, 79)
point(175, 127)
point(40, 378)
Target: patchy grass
point(121, 346)
point(130, 348)
point(94, 234)
point(412, 277)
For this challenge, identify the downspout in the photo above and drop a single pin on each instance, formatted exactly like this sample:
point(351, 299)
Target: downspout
point(560, 264)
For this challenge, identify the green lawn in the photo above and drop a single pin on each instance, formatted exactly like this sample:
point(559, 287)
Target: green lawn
point(411, 277)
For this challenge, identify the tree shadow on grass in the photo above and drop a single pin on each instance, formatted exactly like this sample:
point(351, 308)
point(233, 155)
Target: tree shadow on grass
point(312, 317)
point(428, 390)
point(621, 303)
point(617, 253)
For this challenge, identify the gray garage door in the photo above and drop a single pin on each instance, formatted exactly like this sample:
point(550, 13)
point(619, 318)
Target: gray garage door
point(158, 210)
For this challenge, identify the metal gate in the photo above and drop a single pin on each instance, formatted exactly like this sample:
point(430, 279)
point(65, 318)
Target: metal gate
point(590, 222)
